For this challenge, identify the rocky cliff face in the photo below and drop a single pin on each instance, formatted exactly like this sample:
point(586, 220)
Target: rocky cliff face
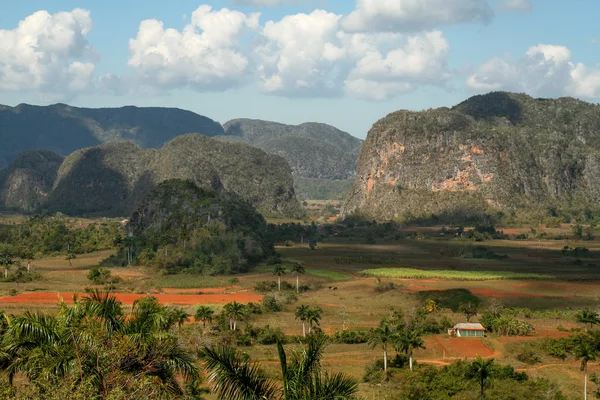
point(500, 151)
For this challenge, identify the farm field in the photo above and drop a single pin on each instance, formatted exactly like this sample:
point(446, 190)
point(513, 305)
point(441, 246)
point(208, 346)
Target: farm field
point(350, 300)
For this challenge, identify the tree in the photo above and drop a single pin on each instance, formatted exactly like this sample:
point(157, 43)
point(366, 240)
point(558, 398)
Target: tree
point(7, 256)
point(482, 370)
point(588, 316)
point(70, 258)
point(297, 269)
point(469, 309)
point(278, 270)
point(128, 243)
point(585, 352)
point(204, 314)
point(234, 311)
point(408, 341)
point(314, 317)
point(234, 377)
point(302, 314)
point(382, 336)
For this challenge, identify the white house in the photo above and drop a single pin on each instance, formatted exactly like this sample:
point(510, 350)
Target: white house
point(467, 330)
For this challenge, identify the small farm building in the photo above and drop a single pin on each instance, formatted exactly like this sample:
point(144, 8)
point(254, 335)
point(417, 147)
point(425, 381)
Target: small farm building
point(467, 330)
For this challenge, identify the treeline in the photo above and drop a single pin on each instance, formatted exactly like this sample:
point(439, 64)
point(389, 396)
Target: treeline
point(43, 235)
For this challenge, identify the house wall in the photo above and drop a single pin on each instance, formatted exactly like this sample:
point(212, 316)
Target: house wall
point(468, 333)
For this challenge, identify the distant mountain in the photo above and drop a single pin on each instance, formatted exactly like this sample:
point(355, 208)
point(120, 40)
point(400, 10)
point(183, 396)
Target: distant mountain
point(111, 179)
point(316, 152)
point(63, 129)
point(499, 153)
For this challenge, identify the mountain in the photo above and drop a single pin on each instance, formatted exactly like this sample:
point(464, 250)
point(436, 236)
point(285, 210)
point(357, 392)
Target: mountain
point(317, 153)
point(111, 179)
point(25, 185)
point(499, 152)
point(64, 129)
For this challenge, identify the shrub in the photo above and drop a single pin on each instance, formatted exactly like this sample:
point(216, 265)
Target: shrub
point(529, 357)
point(270, 304)
point(382, 287)
point(351, 337)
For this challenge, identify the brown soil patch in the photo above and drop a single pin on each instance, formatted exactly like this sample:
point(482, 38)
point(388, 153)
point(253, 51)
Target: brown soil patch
point(495, 293)
point(197, 290)
point(464, 347)
point(535, 335)
point(129, 298)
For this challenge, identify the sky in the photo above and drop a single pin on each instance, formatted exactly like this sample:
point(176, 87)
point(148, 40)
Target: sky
point(342, 62)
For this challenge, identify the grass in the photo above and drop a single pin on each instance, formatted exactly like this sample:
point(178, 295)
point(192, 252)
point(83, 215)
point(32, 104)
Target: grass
point(328, 274)
point(186, 281)
point(411, 273)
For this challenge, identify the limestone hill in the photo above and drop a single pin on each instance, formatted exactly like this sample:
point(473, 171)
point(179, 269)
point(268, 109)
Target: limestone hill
point(500, 152)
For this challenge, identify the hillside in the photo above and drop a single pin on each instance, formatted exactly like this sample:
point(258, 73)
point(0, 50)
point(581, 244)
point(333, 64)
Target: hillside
point(63, 129)
point(208, 232)
point(496, 152)
point(26, 183)
point(317, 153)
point(112, 178)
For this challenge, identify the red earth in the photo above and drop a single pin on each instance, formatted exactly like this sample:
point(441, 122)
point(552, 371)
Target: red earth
point(129, 298)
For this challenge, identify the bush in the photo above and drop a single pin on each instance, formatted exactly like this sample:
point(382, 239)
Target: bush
point(351, 337)
point(382, 287)
point(529, 357)
point(270, 304)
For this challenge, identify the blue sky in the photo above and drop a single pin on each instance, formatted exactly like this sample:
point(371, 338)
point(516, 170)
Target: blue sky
point(346, 63)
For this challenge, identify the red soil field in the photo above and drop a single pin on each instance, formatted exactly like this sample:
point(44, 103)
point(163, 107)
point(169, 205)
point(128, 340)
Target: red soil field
point(129, 298)
point(462, 347)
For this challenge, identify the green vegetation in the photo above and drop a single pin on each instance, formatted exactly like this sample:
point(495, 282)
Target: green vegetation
point(411, 273)
point(451, 298)
point(181, 228)
point(328, 274)
point(322, 189)
point(519, 146)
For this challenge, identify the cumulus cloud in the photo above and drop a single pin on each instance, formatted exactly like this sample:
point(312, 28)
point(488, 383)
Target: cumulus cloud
point(544, 70)
point(266, 3)
point(414, 15)
point(311, 55)
point(205, 55)
point(515, 5)
point(48, 53)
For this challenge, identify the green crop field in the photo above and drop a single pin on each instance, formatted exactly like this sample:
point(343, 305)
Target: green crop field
point(411, 273)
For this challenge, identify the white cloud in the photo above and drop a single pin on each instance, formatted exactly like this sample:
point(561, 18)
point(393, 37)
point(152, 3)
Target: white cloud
point(515, 5)
point(310, 55)
point(46, 53)
point(267, 3)
point(205, 55)
point(414, 15)
point(544, 70)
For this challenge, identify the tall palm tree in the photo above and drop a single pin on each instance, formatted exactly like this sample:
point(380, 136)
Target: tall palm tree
point(314, 317)
point(278, 270)
point(204, 314)
point(297, 269)
point(234, 377)
point(588, 316)
point(408, 341)
point(234, 311)
point(382, 336)
point(302, 314)
point(585, 352)
point(482, 370)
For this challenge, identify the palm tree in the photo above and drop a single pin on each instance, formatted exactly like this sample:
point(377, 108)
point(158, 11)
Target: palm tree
point(302, 313)
point(204, 313)
point(70, 258)
point(278, 270)
point(234, 377)
point(234, 311)
point(297, 269)
point(588, 316)
point(410, 340)
point(481, 370)
point(382, 336)
point(7, 255)
point(314, 317)
point(585, 352)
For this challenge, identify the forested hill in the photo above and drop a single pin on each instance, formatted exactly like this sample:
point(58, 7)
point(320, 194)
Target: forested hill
point(317, 153)
point(112, 178)
point(63, 129)
point(499, 152)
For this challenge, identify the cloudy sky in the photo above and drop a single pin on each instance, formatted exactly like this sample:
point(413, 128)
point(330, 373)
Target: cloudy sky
point(342, 62)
